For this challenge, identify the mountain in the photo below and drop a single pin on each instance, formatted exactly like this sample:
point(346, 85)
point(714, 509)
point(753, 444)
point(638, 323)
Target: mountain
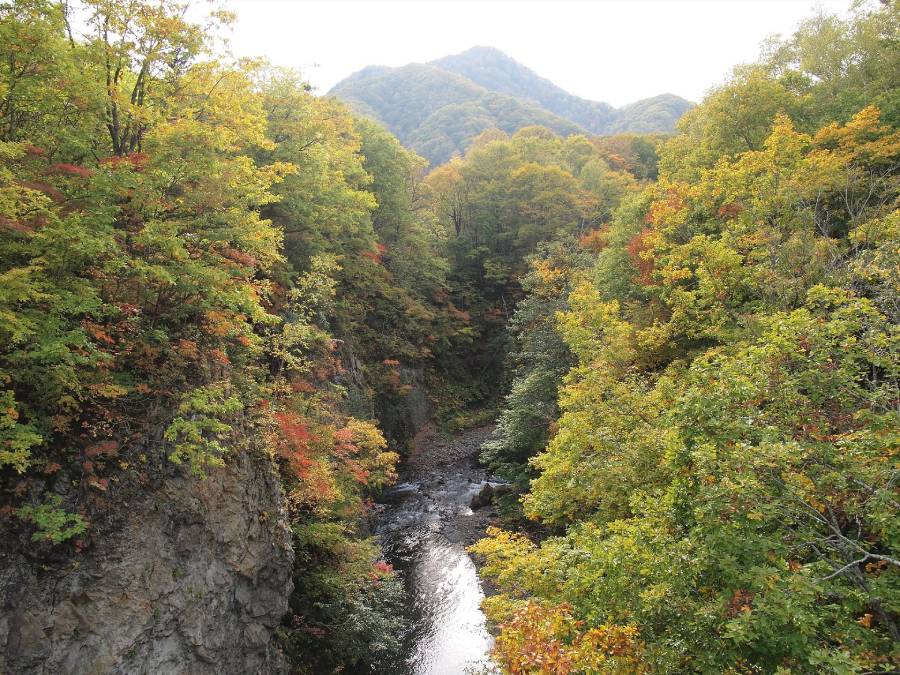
point(438, 108)
point(437, 112)
point(494, 70)
point(649, 115)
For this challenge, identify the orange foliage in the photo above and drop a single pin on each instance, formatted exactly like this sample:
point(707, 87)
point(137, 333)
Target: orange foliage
point(595, 240)
point(459, 314)
point(638, 248)
point(731, 210)
point(188, 349)
point(219, 356)
point(663, 209)
point(218, 323)
point(98, 483)
point(98, 332)
point(550, 641)
point(134, 160)
point(741, 601)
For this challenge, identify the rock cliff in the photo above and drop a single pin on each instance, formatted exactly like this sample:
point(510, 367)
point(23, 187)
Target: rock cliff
point(194, 579)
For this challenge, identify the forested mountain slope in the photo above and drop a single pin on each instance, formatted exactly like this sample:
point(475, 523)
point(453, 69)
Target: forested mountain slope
point(438, 108)
point(438, 113)
point(496, 71)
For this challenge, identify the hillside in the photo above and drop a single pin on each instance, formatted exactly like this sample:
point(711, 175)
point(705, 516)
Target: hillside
point(439, 107)
point(437, 112)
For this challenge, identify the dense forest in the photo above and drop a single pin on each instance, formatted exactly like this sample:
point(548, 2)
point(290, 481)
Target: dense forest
point(704, 415)
point(689, 341)
point(439, 108)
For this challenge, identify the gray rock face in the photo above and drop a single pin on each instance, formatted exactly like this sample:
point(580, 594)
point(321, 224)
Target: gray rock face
point(195, 581)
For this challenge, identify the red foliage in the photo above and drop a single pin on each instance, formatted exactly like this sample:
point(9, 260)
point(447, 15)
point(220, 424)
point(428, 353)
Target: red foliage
point(15, 225)
point(344, 435)
point(359, 474)
point(305, 386)
point(46, 188)
point(644, 266)
point(299, 624)
point(293, 443)
point(344, 445)
point(494, 314)
point(72, 170)
point(106, 448)
point(383, 567)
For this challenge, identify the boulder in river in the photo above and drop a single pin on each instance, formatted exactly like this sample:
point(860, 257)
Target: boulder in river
point(483, 497)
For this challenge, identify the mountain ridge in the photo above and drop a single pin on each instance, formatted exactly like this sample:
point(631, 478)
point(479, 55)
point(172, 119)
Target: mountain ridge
point(438, 108)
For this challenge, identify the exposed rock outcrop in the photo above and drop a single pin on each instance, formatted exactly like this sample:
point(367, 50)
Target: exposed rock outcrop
point(195, 581)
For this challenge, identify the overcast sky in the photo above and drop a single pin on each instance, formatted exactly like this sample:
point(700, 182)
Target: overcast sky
point(614, 51)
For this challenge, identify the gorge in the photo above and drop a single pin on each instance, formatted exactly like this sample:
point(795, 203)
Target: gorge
point(278, 395)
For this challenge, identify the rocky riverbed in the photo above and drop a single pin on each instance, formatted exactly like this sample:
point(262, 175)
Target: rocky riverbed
point(424, 524)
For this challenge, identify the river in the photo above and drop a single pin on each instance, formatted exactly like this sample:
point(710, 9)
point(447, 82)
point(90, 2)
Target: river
point(424, 526)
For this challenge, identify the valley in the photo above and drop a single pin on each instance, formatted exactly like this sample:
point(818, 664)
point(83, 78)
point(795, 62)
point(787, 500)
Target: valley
point(447, 370)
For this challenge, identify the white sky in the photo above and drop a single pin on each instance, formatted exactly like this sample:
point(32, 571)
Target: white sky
point(610, 50)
